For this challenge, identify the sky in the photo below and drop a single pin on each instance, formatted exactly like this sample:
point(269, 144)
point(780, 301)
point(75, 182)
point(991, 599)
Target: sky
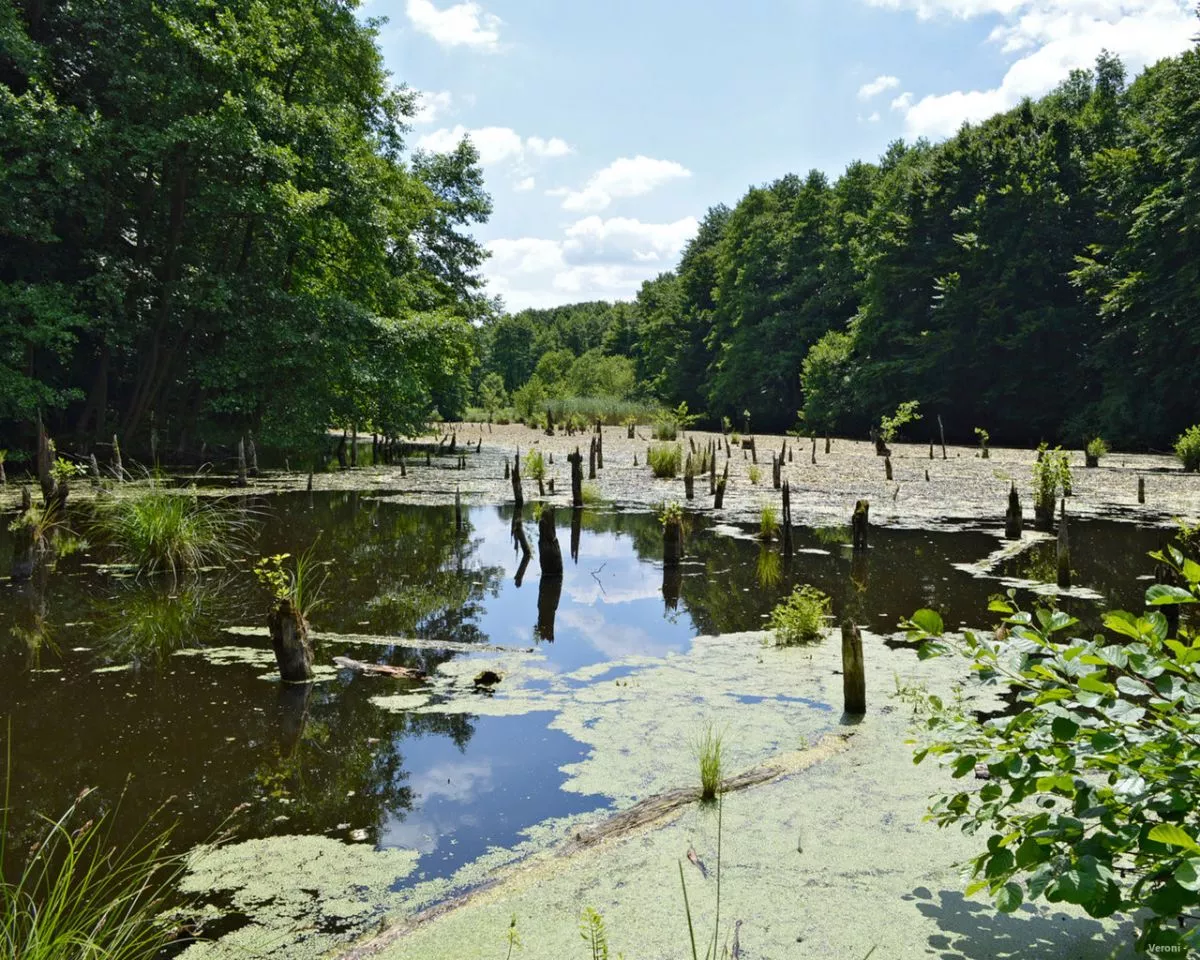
point(607, 129)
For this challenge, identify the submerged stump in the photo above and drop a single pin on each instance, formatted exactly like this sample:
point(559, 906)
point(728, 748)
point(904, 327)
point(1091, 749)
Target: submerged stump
point(549, 551)
point(289, 639)
point(854, 683)
point(859, 524)
point(1014, 518)
point(672, 543)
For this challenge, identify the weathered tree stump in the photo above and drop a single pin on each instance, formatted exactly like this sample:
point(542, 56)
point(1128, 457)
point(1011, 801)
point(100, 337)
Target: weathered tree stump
point(253, 455)
point(787, 519)
point(310, 480)
point(576, 461)
point(689, 479)
point(942, 432)
point(93, 469)
point(289, 639)
point(507, 469)
point(25, 545)
point(453, 441)
point(599, 448)
point(776, 470)
point(672, 542)
point(753, 451)
point(854, 681)
point(354, 446)
point(118, 467)
point(629, 428)
point(518, 494)
point(1063, 550)
point(881, 448)
point(428, 459)
point(887, 467)
point(45, 464)
point(859, 524)
point(592, 459)
point(827, 443)
point(576, 533)
point(1090, 459)
point(930, 449)
point(719, 493)
point(813, 457)
point(241, 463)
point(549, 551)
point(549, 423)
point(1014, 518)
point(1141, 489)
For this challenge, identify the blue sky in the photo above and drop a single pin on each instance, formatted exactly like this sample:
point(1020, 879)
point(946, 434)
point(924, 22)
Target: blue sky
point(607, 129)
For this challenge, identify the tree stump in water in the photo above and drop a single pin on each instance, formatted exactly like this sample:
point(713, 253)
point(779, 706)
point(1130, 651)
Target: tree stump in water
point(549, 551)
point(776, 469)
point(24, 540)
point(93, 464)
point(629, 431)
point(813, 458)
point(118, 467)
point(289, 639)
point(881, 448)
point(45, 463)
point(787, 519)
point(253, 469)
point(507, 471)
point(689, 479)
point(859, 524)
point(518, 495)
point(576, 532)
point(1014, 518)
point(599, 448)
point(341, 451)
point(827, 443)
point(592, 459)
point(576, 461)
point(854, 683)
point(1063, 550)
point(887, 467)
point(549, 423)
point(241, 462)
point(672, 543)
point(1141, 489)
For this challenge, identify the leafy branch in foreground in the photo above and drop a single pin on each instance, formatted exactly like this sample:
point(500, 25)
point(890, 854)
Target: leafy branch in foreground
point(1093, 786)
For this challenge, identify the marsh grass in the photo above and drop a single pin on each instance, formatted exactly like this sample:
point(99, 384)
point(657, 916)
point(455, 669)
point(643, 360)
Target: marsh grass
point(609, 410)
point(298, 582)
point(79, 895)
point(800, 618)
point(591, 493)
point(157, 530)
point(768, 523)
point(708, 748)
point(755, 473)
point(147, 621)
point(665, 459)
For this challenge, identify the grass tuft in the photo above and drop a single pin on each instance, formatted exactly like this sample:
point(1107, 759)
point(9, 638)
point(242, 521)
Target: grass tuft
point(665, 459)
point(708, 751)
point(768, 523)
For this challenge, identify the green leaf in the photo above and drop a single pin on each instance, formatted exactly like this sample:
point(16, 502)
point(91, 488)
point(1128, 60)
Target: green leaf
point(1064, 728)
point(1009, 897)
point(1162, 594)
point(1174, 836)
point(1187, 874)
point(930, 621)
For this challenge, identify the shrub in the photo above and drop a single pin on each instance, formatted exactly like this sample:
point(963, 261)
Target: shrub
point(665, 459)
point(1097, 448)
point(708, 753)
point(665, 429)
point(755, 473)
point(984, 437)
point(535, 469)
point(155, 529)
point(1051, 471)
point(801, 617)
point(1091, 790)
point(1187, 448)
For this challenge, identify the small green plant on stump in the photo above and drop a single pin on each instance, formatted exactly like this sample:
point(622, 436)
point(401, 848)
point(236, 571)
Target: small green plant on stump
point(801, 617)
point(1091, 794)
point(535, 467)
point(708, 747)
point(984, 437)
point(907, 412)
point(755, 474)
point(1051, 473)
point(1187, 449)
point(665, 459)
point(1096, 449)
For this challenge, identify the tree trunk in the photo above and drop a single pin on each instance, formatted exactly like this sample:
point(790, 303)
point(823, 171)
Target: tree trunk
point(289, 638)
point(859, 524)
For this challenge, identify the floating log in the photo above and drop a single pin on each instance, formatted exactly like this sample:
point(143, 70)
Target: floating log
point(854, 682)
point(859, 524)
point(1014, 518)
point(289, 639)
point(379, 669)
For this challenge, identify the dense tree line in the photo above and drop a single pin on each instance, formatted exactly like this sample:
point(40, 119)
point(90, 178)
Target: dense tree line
point(1037, 275)
point(209, 223)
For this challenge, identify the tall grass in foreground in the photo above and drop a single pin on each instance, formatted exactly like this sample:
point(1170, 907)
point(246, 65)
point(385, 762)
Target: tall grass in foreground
point(80, 897)
point(155, 529)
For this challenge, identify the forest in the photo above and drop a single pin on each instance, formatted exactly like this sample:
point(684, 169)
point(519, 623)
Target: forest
point(1036, 276)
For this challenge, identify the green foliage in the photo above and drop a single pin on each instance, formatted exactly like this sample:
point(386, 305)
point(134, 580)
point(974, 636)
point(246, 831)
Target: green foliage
point(708, 749)
point(825, 378)
point(801, 617)
point(297, 582)
point(1187, 448)
point(907, 412)
point(768, 522)
point(591, 493)
point(755, 474)
point(983, 436)
point(1090, 797)
point(670, 513)
point(592, 932)
point(492, 395)
point(156, 529)
point(665, 459)
point(1051, 473)
point(78, 895)
point(1097, 448)
point(535, 465)
point(63, 469)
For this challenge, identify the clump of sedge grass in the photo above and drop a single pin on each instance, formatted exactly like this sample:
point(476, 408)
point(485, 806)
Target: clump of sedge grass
point(591, 493)
point(755, 473)
point(665, 459)
point(768, 523)
point(708, 746)
point(801, 617)
point(79, 896)
point(156, 529)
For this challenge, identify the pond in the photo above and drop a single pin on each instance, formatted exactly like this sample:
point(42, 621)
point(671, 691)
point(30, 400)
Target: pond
point(149, 689)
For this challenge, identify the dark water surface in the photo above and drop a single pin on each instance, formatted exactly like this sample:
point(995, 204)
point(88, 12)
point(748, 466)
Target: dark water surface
point(326, 760)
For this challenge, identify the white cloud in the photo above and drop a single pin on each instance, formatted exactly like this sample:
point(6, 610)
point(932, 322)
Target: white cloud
point(460, 25)
point(1049, 38)
point(877, 86)
point(431, 105)
point(595, 259)
point(495, 144)
point(522, 186)
point(624, 177)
